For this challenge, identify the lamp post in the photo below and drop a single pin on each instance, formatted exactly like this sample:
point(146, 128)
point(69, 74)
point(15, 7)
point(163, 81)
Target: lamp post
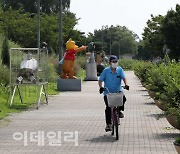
point(166, 52)
point(110, 45)
point(60, 31)
point(38, 28)
point(102, 38)
point(119, 50)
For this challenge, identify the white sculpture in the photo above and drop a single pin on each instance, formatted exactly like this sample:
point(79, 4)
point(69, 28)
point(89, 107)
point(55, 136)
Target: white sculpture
point(29, 63)
point(28, 67)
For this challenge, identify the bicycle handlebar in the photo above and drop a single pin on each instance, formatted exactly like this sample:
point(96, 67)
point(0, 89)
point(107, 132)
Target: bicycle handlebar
point(103, 89)
point(126, 87)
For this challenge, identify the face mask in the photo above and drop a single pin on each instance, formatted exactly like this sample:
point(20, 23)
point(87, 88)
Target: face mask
point(114, 65)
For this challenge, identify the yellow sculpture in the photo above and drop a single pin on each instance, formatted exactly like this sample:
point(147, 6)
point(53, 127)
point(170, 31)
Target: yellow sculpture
point(69, 58)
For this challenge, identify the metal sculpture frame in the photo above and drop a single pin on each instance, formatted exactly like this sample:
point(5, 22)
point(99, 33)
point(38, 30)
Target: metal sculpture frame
point(38, 78)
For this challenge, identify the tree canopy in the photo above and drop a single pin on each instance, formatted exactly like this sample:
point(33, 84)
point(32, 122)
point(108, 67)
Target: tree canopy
point(115, 40)
point(152, 36)
point(163, 31)
point(171, 31)
point(18, 19)
point(22, 28)
point(46, 6)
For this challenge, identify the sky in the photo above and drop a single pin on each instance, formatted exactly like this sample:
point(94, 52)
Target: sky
point(133, 14)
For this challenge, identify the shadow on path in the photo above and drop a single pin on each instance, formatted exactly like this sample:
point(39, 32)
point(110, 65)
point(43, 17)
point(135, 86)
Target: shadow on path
point(104, 138)
point(157, 115)
point(146, 95)
point(151, 103)
point(142, 90)
point(167, 135)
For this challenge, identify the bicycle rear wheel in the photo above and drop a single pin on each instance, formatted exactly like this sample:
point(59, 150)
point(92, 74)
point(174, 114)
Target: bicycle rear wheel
point(112, 133)
point(116, 118)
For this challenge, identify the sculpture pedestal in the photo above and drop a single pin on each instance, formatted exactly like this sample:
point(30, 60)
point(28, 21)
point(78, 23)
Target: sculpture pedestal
point(69, 84)
point(91, 72)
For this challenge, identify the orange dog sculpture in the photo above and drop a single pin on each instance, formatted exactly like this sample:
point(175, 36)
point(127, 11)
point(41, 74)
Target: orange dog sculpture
point(69, 58)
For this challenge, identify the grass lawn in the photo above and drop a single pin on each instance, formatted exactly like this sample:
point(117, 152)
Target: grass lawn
point(29, 95)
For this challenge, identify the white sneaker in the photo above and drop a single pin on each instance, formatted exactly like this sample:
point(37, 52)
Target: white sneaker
point(121, 115)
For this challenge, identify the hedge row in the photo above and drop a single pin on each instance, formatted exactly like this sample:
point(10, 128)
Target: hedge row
point(164, 80)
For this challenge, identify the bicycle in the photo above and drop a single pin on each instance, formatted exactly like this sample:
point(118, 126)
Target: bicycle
point(115, 100)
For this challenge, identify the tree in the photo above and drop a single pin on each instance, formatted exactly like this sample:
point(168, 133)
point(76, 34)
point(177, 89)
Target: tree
point(163, 31)
point(152, 36)
point(171, 31)
point(143, 53)
point(5, 52)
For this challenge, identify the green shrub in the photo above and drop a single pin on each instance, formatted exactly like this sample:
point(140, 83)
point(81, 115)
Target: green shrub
point(127, 64)
point(164, 79)
point(172, 88)
point(173, 111)
point(54, 59)
point(143, 70)
point(52, 74)
point(81, 74)
point(177, 141)
point(155, 79)
point(4, 79)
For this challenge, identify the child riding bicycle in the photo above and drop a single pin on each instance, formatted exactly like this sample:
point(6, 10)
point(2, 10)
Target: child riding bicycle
point(112, 76)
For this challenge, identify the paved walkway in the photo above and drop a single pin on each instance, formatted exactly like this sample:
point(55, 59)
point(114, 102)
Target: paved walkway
point(76, 120)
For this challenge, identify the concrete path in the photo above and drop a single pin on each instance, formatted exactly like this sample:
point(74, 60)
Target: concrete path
point(73, 122)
